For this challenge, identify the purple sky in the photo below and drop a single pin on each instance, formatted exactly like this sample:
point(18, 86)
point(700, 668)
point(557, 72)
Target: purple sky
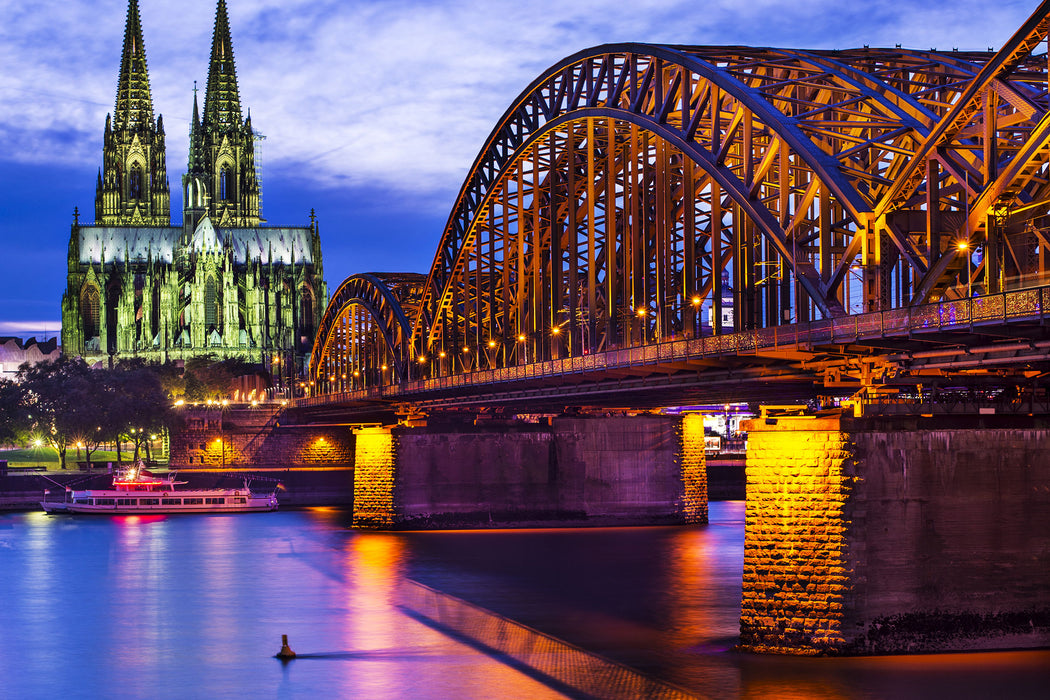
point(373, 110)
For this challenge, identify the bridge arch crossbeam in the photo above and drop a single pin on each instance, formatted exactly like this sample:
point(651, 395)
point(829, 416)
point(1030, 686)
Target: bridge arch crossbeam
point(982, 158)
point(344, 330)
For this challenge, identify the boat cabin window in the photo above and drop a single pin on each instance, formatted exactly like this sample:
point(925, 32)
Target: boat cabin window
point(103, 501)
point(149, 501)
point(215, 501)
point(192, 501)
point(171, 501)
point(127, 501)
point(240, 500)
point(83, 501)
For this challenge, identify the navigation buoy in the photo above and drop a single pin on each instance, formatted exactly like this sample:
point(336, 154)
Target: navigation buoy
point(286, 651)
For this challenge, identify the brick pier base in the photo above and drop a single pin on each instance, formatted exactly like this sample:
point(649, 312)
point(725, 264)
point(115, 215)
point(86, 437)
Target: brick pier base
point(879, 536)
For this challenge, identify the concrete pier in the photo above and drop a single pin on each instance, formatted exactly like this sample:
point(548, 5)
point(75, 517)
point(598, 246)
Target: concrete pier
point(612, 470)
point(878, 536)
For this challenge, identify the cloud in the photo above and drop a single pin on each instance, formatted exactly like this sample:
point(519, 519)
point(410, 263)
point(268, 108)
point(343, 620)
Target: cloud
point(374, 110)
point(42, 330)
point(394, 95)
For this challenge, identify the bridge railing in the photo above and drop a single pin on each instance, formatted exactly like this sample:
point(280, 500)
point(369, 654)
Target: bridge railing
point(1009, 306)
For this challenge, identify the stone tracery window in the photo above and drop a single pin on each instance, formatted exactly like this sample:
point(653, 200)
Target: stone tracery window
point(89, 311)
point(226, 184)
point(306, 315)
point(211, 304)
point(135, 182)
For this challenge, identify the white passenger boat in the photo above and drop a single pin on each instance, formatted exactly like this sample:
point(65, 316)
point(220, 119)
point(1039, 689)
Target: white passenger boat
point(136, 491)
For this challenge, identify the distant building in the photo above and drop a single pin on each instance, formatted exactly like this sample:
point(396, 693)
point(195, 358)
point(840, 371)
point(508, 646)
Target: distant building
point(222, 282)
point(14, 352)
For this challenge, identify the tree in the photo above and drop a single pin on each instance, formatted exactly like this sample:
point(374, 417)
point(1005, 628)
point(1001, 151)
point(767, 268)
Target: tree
point(139, 405)
point(59, 402)
point(12, 417)
point(208, 378)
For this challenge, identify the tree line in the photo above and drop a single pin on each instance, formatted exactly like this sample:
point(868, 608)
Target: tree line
point(65, 403)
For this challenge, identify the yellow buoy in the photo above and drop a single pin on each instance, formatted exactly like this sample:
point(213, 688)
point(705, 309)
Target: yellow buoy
point(286, 651)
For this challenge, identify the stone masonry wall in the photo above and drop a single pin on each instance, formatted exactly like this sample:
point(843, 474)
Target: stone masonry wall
point(238, 438)
point(868, 536)
point(375, 479)
point(629, 467)
point(613, 469)
point(951, 533)
point(796, 566)
point(463, 475)
point(693, 466)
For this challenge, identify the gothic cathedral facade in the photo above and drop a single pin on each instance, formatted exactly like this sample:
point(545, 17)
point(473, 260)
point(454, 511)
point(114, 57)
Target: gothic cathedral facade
point(223, 282)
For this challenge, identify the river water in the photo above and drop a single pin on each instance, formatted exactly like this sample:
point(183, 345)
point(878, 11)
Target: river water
point(195, 606)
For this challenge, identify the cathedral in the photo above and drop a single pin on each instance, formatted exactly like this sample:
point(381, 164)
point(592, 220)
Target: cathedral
point(223, 282)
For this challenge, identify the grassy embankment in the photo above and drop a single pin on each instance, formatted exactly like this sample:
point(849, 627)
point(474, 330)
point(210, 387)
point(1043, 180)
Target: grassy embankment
point(48, 457)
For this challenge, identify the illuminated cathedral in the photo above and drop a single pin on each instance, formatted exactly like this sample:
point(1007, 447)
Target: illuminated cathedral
point(223, 282)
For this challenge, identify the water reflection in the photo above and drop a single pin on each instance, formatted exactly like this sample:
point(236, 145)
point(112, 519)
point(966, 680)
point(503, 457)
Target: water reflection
point(195, 606)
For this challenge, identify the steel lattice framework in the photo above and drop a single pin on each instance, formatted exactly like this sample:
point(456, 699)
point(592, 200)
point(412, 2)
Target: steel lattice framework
point(634, 193)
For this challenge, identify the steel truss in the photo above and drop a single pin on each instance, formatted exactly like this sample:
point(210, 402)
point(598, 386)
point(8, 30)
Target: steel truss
point(363, 339)
point(637, 193)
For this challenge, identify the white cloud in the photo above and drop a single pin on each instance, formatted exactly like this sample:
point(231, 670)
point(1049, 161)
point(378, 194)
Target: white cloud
point(41, 330)
point(398, 95)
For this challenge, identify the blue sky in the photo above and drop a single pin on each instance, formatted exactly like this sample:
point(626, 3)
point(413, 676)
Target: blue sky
point(373, 110)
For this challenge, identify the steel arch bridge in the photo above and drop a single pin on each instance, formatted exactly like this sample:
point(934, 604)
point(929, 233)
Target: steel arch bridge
point(635, 194)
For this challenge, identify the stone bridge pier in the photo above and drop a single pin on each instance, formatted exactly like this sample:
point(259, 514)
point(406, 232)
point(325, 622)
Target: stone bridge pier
point(891, 535)
point(608, 470)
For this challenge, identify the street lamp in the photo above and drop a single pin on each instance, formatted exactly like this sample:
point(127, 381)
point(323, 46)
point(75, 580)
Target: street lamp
point(643, 314)
point(491, 354)
point(964, 247)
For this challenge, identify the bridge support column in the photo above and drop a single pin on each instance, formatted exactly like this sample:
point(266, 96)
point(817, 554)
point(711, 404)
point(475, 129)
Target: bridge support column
point(375, 478)
point(879, 536)
point(616, 470)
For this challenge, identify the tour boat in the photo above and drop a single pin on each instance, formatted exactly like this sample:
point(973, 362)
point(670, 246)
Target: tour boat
point(136, 491)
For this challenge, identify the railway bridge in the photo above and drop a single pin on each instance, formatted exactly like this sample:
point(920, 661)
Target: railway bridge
point(860, 234)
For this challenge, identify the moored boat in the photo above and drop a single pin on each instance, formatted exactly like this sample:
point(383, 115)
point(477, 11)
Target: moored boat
point(136, 491)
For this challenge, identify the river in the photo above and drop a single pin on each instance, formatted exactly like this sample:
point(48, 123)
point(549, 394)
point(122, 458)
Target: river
point(195, 606)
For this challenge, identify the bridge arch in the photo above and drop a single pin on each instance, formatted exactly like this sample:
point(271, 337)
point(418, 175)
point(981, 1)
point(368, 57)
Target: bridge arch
point(751, 147)
point(636, 193)
point(363, 337)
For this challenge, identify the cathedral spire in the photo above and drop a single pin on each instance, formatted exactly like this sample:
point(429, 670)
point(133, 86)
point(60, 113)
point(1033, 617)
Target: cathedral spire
point(133, 187)
point(134, 108)
point(222, 102)
point(221, 182)
point(196, 161)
